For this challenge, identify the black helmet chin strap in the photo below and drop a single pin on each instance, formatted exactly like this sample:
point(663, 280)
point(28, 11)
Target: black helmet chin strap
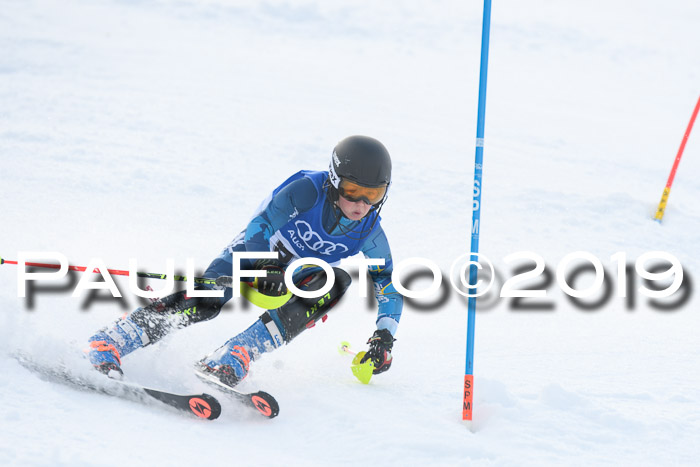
point(362, 232)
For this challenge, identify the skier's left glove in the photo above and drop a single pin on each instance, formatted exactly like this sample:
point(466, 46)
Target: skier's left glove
point(380, 345)
point(272, 284)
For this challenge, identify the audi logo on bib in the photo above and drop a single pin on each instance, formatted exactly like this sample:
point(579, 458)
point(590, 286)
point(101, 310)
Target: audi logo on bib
point(314, 240)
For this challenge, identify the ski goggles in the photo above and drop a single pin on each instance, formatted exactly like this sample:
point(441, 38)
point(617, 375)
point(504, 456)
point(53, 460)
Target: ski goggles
point(354, 192)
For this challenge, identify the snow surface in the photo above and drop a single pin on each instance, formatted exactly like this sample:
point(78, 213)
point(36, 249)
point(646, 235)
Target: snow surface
point(152, 129)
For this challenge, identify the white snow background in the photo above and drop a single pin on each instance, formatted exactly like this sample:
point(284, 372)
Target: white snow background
point(152, 129)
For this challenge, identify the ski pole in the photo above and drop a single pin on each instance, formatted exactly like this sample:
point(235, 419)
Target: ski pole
point(362, 371)
point(344, 349)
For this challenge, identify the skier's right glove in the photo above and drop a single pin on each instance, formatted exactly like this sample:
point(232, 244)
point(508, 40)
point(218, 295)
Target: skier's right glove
point(380, 345)
point(273, 284)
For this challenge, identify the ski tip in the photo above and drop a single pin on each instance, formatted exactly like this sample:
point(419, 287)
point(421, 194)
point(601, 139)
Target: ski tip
point(265, 404)
point(205, 406)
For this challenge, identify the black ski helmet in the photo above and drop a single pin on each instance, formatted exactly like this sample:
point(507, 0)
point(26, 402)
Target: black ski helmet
point(360, 159)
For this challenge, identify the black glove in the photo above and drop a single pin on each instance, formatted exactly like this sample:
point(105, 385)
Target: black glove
point(272, 284)
point(380, 345)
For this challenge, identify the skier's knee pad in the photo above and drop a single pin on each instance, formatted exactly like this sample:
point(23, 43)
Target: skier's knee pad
point(300, 313)
point(173, 312)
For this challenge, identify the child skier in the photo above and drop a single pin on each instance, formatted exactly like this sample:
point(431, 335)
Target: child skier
point(327, 215)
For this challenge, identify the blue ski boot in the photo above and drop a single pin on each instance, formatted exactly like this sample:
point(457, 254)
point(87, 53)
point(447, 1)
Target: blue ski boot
point(229, 364)
point(109, 345)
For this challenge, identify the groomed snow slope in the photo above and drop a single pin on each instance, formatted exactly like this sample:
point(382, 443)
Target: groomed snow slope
point(152, 129)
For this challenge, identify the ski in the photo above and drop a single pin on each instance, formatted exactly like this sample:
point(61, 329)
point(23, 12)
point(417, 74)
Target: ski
point(200, 405)
point(260, 400)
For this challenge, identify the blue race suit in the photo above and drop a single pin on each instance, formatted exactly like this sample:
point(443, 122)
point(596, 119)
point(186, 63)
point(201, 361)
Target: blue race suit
point(298, 220)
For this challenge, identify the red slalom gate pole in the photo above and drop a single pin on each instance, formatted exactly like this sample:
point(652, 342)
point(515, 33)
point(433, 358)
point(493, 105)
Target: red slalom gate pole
point(116, 272)
point(667, 190)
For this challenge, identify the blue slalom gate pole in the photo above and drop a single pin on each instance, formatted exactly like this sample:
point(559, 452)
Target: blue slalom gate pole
point(468, 402)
